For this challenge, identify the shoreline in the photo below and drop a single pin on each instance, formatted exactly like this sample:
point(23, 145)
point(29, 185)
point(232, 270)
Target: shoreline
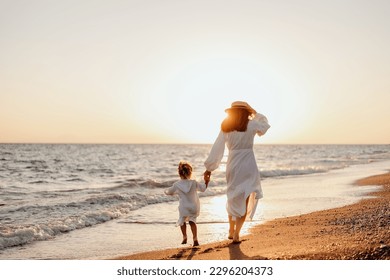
point(359, 231)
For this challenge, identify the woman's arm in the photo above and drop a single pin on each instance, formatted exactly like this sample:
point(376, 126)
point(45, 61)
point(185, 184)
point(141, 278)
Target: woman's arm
point(216, 154)
point(206, 177)
point(260, 123)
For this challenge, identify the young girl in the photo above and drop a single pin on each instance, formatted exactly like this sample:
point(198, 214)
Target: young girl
point(189, 205)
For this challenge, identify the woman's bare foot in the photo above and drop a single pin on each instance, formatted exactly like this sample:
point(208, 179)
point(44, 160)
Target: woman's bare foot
point(196, 243)
point(236, 238)
point(184, 240)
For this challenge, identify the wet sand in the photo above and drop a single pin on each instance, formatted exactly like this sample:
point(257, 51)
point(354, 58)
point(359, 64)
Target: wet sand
point(360, 231)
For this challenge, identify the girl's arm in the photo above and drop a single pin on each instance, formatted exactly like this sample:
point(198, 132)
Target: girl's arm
point(170, 191)
point(201, 186)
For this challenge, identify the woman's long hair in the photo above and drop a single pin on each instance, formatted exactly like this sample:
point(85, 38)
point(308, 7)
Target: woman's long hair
point(236, 120)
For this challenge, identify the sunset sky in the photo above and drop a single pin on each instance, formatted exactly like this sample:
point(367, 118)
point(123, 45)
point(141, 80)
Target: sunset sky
point(152, 71)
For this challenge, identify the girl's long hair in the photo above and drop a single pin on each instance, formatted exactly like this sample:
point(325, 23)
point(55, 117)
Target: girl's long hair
point(236, 120)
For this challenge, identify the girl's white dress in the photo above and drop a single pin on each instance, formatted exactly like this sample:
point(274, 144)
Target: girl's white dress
point(189, 205)
point(242, 173)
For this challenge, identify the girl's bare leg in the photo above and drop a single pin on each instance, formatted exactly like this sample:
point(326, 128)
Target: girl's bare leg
point(194, 233)
point(232, 225)
point(184, 232)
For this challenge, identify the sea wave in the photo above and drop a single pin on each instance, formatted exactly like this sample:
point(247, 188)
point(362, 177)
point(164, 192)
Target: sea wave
point(74, 216)
point(58, 218)
point(291, 172)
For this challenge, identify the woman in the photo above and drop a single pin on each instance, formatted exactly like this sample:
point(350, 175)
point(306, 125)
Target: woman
point(238, 130)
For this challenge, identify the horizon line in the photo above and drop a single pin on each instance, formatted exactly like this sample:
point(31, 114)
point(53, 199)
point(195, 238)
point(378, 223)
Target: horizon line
point(175, 143)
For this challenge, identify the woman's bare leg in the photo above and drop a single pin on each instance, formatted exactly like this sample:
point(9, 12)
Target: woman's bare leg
point(232, 225)
point(184, 232)
point(239, 223)
point(194, 233)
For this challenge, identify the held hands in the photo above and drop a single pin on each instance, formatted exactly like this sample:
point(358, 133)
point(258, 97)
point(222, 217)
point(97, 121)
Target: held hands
point(206, 177)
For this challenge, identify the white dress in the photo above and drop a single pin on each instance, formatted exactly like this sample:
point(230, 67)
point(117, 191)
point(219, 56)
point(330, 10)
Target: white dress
point(242, 173)
point(189, 205)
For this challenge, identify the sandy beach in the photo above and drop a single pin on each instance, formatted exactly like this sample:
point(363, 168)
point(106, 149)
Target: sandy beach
point(360, 231)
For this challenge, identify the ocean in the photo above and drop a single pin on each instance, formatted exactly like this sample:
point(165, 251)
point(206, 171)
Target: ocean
point(87, 201)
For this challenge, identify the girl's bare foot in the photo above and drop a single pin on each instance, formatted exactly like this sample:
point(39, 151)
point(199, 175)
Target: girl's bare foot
point(196, 243)
point(184, 240)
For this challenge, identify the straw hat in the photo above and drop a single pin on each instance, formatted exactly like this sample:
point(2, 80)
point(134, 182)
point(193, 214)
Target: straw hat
point(241, 105)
